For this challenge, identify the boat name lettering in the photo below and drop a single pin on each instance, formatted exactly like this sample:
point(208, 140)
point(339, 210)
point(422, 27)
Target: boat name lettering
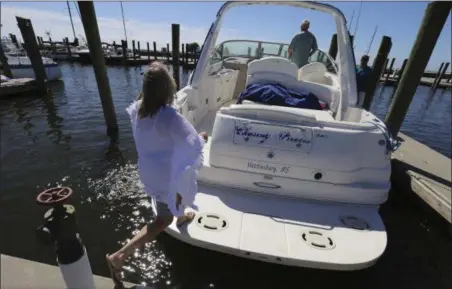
point(247, 134)
point(286, 136)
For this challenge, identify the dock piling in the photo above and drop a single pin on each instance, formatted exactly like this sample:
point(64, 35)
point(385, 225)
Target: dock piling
point(440, 77)
point(149, 51)
point(437, 74)
point(5, 64)
point(68, 47)
point(333, 46)
point(401, 72)
point(390, 69)
point(167, 52)
point(184, 54)
point(374, 78)
point(175, 32)
point(155, 50)
point(133, 49)
point(31, 46)
point(89, 20)
point(139, 49)
point(432, 24)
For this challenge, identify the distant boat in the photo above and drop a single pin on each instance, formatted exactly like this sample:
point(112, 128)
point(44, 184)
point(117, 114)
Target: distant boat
point(20, 64)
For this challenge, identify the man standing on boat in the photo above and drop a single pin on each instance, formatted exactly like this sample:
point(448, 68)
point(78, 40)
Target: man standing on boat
point(303, 45)
point(363, 72)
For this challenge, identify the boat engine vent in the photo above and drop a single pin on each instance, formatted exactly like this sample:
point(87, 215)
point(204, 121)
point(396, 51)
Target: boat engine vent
point(211, 222)
point(318, 240)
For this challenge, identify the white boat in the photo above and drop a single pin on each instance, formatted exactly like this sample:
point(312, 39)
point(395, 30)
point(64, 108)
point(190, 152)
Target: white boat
point(286, 185)
point(21, 67)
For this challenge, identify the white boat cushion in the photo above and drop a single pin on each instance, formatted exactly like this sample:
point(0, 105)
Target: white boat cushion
point(313, 72)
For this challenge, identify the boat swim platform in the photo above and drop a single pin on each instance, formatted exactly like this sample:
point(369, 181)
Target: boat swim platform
point(418, 169)
point(25, 274)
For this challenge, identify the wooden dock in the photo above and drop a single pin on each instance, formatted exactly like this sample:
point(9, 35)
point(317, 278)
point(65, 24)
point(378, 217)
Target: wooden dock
point(26, 274)
point(426, 81)
point(425, 172)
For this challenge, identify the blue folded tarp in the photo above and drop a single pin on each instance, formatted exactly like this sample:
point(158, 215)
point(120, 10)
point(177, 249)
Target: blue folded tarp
point(276, 94)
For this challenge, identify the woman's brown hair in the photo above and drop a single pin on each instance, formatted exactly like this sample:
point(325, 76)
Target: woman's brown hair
point(158, 90)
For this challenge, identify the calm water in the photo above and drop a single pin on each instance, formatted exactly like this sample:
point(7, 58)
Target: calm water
point(62, 139)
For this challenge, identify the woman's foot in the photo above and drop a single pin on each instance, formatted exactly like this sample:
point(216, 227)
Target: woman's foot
point(185, 219)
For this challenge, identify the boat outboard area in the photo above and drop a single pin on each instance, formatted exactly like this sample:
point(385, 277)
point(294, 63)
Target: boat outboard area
point(294, 171)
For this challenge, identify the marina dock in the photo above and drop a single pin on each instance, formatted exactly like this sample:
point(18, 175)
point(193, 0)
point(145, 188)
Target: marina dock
point(25, 274)
point(424, 172)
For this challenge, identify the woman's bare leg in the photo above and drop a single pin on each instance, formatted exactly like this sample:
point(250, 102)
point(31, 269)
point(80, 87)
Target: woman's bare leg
point(147, 234)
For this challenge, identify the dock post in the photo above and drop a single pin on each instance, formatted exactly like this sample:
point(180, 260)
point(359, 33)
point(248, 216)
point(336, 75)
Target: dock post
point(68, 47)
point(440, 77)
point(401, 72)
point(149, 51)
point(374, 78)
point(155, 50)
point(31, 46)
point(124, 51)
point(89, 20)
point(133, 49)
point(333, 47)
point(433, 22)
point(175, 32)
point(183, 55)
point(5, 64)
point(383, 71)
point(139, 50)
point(437, 74)
point(60, 228)
point(389, 72)
point(167, 52)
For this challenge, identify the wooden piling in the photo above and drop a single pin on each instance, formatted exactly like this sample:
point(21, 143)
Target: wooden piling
point(133, 49)
point(124, 51)
point(333, 46)
point(89, 20)
point(390, 69)
point(4, 61)
point(175, 32)
point(184, 54)
point(68, 47)
point(167, 51)
point(374, 77)
point(440, 77)
point(437, 74)
point(401, 72)
point(155, 50)
point(31, 46)
point(139, 50)
point(433, 22)
point(383, 71)
point(149, 51)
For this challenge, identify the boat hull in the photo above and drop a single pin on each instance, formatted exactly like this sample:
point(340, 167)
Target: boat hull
point(286, 231)
point(53, 71)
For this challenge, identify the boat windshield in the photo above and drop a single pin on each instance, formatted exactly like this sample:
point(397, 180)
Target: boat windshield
point(258, 49)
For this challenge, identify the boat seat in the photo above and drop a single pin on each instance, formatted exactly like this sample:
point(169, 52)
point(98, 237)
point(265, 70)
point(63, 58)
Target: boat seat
point(313, 72)
point(277, 70)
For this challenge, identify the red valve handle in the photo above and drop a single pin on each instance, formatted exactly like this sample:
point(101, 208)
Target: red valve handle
point(54, 196)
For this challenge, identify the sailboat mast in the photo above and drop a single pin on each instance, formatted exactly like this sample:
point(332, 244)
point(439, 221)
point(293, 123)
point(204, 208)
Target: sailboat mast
point(357, 20)
point(372, 40)
point(351, 21)
point(70, 16)
point(123, 21)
